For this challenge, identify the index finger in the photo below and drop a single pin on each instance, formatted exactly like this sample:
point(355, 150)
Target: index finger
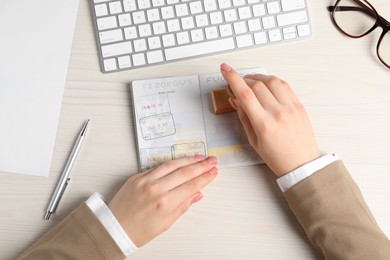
point(173, 165)
point(242, 91)
point(187, 173)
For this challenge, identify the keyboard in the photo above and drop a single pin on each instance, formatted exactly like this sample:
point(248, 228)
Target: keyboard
point(138, 33)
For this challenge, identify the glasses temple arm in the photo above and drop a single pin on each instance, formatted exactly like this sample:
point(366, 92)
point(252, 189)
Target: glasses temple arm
point(385, 21)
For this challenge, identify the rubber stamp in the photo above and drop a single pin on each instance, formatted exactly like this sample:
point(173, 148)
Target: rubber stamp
point(220, 98)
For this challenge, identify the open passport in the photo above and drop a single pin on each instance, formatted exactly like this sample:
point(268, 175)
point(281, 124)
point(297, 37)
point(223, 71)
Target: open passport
point(174, 118)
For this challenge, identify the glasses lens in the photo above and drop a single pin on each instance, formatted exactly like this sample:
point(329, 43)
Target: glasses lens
point(384, 49)
point(354, 17)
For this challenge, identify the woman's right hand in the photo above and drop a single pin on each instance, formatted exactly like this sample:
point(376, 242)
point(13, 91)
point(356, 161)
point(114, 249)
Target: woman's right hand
point(274, 120)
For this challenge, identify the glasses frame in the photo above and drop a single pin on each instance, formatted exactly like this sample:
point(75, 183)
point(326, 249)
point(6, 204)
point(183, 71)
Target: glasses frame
point(368, 9)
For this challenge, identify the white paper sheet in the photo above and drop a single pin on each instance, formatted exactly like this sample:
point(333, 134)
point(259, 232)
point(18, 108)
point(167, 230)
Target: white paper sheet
point(36, 39)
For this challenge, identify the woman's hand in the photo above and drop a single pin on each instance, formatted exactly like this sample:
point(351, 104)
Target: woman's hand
point(151, 201)
point(274, 120)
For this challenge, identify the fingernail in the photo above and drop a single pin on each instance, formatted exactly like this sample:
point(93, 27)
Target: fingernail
point(200, 158)
point(213, 171)
point(197, 198)
point(225, 67)
point(212, 160)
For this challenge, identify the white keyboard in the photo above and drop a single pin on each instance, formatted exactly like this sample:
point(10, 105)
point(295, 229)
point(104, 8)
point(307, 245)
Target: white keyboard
point(138, 33)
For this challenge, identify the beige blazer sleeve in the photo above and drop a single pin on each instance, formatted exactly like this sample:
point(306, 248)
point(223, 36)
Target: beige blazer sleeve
point(78, 236)
point(335, 217)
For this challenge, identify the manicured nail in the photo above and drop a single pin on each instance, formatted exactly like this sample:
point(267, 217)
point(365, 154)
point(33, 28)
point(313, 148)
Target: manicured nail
point(200, 158)
point(213, 171)
point(225, 67)
point(197, 198)
point(212, 160)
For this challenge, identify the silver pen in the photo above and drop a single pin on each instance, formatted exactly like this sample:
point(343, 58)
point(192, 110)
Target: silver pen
point(64, 180)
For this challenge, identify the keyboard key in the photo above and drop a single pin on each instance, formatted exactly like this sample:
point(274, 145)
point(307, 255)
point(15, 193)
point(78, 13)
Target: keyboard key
point(159, 28)
point(268, 22)
point(230, 15)
point(153, 15)
point(225, 30)
point(273, 7)
point(145, 30)
point(124, 20)
point(107, 23)
point(173, 25)
point(244, 12)
point(244, 41)
point(199, 49)
point(238, 2)
point(260, 38)
point(289, 33)
point(144, 4)
point(139, 45)
point(109, 64)
point(274, 35)
point(168, 40)
point(254, 25)
point(115, 7)
point(129, 5)
point(101, 10)
point(155, 56)
point(197, 35)
point(210, 5)
point(216, 18)
point(110, 36)
point(187, 23)
point(289, 5)
point(211, 32)
point(167, 12)
point(196, 7)
point(303, 30)
point(124, 62)
point(157, 3)
point(240, 27)
point(139, 17)
point(201, 20)
point(182, 37)
point(181, 10)
point(130, 33)
point(292, 18)
point(290, 29)
point(258, 10)
point(139, 59)
point(154, 43)
point(116, 49)
point(224, 4)
point(289, 36)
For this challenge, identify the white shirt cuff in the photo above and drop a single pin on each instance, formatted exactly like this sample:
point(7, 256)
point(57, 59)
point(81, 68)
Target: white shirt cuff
point(105, 216)
point(290, 179)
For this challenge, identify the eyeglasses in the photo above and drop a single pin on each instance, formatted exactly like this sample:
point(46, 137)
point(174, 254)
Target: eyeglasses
point(357, 18)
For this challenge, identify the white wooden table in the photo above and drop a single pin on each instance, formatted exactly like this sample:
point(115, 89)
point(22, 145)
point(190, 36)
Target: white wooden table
point(243, 215)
